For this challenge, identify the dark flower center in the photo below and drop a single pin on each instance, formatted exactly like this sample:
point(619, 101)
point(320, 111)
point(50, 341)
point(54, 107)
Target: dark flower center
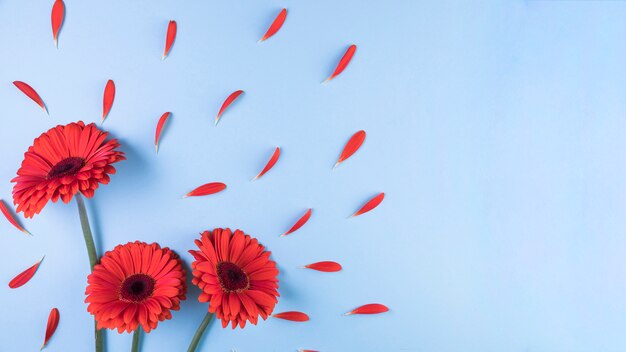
point(69, 166)
point(137, 288)
point(232, 277)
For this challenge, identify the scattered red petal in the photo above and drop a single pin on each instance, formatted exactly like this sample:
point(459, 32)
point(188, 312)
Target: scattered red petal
point(373, 308)
point(343, 63)
point(24, 276)
point(278, 22)
point(299, 223)
point(57, 16)
point(53, 322)
point(206, 189)
point(270, 164)
point(159, 129)
point(292, 316)
point(325, 266)
point(370, 205)
point(234, 95)
point(31, 93)
point(169, 39)
point(109, 97)
point(5, 210)
point(351, 147)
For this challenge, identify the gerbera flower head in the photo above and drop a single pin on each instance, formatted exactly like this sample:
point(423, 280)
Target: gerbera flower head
point(236, 276)
point(61, 162)
point(135, 284)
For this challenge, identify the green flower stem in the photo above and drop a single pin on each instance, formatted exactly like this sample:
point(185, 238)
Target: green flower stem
point(136, 336)
point(196, 338)
point(93, 257)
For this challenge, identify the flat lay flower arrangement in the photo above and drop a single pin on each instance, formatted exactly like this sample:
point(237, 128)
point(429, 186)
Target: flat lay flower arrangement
point(136, 286)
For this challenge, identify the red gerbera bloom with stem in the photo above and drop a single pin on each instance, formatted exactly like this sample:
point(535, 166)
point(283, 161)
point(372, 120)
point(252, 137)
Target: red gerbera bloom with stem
point(236, 275)
point(61, 162)
point(135, 284)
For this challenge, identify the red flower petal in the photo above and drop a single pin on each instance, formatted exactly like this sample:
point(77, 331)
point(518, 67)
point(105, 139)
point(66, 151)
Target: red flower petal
point(57, 16)
point(53, 322)
point(292, 316)
point(303, 220)
point(278, 22)
point(31, 93)
point(373, 308)
point(24, 276)
point(169, 39)
point(343, 63)
point(159, 129)
point(351, 147)
point(270, 164)
point(234, 95)
point(206, 189)
point(326, 266)
point(109, 97)
point(5, 210)
point(370, 205)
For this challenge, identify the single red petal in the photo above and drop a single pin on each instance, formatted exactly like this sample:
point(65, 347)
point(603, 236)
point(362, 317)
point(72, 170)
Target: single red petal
point(57, 16)
point(169, 39)
point(325, 266)
point(234, 95)
point(53, 322)
point(109, 97)
point(370, 205)
point(24, 276)
point(270, 164)
point(343, 63)
point(278, 22)
point(31, 93)
point(7, 214)
point(206, 189)
point(299, 223)
point(373, 308)
point(159, 129)
point(351, 147)
point(292, 316)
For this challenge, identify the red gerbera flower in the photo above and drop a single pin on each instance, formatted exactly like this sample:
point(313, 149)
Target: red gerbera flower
point(135, 284)
point(236, 276)
point(60, 163)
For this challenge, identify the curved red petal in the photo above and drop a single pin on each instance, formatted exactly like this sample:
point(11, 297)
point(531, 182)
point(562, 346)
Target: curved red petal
point(159, 129)
point(231, 98)
point(270, 164)
point(109, 97)
point(275, 26)
point(57, 16)
point(343, 63)
point(303, 220)
point(25, 276)
point(372, 308)
point(206, 189)
point(292, 316)
point(370, 205)
point(354, 143)
point(51, 327)
point(169, 39)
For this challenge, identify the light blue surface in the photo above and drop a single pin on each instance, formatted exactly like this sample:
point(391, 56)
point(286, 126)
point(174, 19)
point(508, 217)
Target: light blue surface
point(496, 129)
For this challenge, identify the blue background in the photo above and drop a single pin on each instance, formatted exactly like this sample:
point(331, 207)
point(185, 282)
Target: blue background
point(496, 129)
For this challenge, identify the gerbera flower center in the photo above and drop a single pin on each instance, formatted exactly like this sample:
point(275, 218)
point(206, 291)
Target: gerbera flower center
point(137, 288)
point(232, 277)
point(69, 166)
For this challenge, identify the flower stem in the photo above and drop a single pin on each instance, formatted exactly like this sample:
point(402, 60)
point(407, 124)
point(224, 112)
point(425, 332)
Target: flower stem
point(93, 257)
point(196, 338)
point(136, 336)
